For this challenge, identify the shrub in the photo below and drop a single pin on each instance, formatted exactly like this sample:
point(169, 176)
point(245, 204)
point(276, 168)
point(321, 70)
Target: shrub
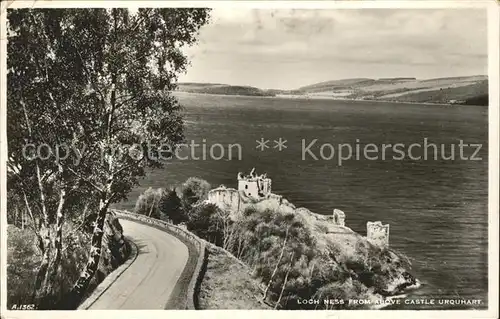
point(205, 221)
point(148, 203)
point(193, 191)
point(170, 207)
point(280, 249)
point(342, 291)
point(286, 252)
point(24, 258)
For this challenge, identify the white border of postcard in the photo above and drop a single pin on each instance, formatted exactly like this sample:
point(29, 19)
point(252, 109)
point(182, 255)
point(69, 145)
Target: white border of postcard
point(493, 9)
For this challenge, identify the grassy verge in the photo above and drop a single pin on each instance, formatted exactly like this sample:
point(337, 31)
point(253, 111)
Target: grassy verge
point(228, 284)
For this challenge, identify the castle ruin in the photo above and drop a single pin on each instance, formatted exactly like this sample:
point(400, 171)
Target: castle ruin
point(255, 186)
point(255, 190)
point(378, 234)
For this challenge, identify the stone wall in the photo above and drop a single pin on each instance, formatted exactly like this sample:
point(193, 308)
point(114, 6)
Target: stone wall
point(275, 202)
point(338, 217)
point(256, 186)
point(250, 188)
point(227, 199)
point(378, 234)
point(235, 202)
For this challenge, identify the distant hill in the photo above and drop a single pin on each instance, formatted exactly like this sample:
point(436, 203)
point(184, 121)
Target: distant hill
point(224, 89)
point(335, 85)
point(471, 90)
point(454, 90)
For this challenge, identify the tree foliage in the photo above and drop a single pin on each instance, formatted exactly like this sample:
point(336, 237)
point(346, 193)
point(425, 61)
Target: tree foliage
point(162, 204)
point(205, 221)
point(170, 207)
point(90, 83)
point(193, 190)
point(282, 249)
point(148, 203)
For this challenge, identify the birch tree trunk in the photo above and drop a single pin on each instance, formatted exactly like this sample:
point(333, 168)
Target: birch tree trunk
point(83, 282)
point(284, 282)
point(55, 263)
point(51, 258)
point(277, 266)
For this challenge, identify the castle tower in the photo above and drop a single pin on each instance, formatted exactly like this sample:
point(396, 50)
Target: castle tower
point(338, 217)
point(255, 186)
point(378, 234)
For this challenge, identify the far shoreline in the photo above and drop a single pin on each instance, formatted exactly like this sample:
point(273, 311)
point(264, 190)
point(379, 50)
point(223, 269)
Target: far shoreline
point(297, 97)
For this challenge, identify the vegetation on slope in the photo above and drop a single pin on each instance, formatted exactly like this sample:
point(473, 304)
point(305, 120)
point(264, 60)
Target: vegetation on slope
point(90, 86)
point(295, 255)
point(23, 258)
point(228, 283)
point(482, 99)
point(336, 84)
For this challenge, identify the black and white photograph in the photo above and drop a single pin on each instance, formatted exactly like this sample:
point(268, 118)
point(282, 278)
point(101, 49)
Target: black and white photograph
point(252, 156)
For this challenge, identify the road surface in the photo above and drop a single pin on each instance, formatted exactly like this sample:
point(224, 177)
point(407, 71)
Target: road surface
point(150, 279)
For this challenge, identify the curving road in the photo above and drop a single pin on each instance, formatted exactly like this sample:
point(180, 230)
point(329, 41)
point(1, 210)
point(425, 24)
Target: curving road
point(148, 282)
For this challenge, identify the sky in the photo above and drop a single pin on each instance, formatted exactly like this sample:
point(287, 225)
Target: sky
point(287, 48)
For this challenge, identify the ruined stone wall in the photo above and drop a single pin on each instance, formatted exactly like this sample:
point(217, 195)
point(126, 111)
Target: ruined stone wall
point(255, 187)
point(266, 186)
point(378, 234)
point(235, 201)
point(250, 188)
point(227, 199)
point(338, 217)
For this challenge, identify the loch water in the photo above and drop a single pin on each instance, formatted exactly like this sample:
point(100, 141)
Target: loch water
point(437, 208)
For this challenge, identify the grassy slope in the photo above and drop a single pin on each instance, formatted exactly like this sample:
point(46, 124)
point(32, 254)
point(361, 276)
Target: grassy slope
point(440, 90)
point(335, 85)
point(445, 95)
point(228, 284)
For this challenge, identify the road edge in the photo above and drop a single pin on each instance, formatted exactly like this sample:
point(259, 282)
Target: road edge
point(111, 277)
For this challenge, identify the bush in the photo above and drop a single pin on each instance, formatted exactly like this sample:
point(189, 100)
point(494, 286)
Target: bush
point(285, 251)
point(170, 207)
point(342, 291)
point(205, 221)
point(280, 249)
point(24, 258)
point(193, 190)
point(148, 203)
